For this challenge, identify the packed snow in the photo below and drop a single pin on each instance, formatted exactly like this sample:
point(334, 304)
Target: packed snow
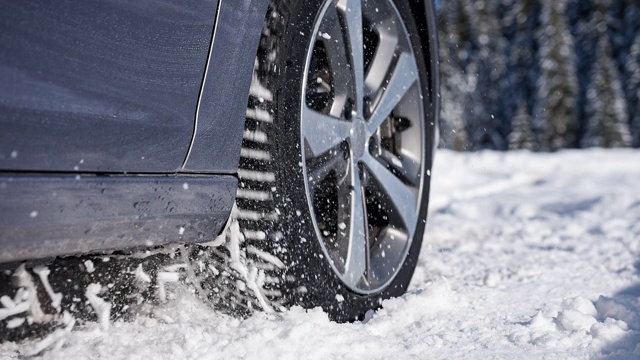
point(526, 256)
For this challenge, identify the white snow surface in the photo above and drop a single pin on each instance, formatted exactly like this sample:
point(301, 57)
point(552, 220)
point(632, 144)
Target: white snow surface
point(526, 256)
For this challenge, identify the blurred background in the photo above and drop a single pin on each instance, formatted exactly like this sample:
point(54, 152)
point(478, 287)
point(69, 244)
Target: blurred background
point(539, 74)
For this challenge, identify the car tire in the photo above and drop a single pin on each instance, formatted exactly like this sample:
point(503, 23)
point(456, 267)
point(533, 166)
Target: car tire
point(277, 212)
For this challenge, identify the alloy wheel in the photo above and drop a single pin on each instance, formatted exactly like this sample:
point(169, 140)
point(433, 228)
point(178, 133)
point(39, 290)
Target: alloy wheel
point(362, 133)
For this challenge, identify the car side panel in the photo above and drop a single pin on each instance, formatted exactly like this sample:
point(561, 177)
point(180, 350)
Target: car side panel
point(56, 214)
point(220, 123)
point(101, 85)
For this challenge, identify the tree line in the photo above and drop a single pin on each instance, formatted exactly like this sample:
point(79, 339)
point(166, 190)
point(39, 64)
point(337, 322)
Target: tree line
point(539, 74)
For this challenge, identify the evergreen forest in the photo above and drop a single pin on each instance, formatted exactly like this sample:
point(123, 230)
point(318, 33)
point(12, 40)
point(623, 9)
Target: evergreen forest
point(539, 74)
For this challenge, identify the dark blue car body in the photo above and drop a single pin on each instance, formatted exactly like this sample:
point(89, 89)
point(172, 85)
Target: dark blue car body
point(120, 121)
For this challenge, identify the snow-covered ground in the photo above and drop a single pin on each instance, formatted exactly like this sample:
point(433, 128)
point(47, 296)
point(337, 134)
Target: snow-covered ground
point(527, 256)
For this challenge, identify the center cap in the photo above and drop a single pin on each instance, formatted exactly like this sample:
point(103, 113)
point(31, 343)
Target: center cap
point(359, 137)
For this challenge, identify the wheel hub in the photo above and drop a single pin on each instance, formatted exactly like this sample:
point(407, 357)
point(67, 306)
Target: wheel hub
point(359, 138)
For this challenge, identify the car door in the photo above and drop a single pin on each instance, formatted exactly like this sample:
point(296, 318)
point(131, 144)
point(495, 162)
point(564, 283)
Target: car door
point(100, 85)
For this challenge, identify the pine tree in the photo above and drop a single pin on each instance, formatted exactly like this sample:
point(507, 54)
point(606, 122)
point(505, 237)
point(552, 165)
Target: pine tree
point(457, 86)
point(521, 136)
point(453, 134)
point(626, 42)
point(519, 23)
point(581, 15)
point(607, 124)
point(486, 118)
point(632, 70)
point(557, 84)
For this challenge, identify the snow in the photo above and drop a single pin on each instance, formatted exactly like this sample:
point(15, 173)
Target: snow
point(526, 256)
point(88, 264)
point(141, 276)
point(100, 307)
point(43, 273)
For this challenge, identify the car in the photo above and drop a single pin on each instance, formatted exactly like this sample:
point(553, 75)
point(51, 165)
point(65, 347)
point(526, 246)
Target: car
point(283, 149)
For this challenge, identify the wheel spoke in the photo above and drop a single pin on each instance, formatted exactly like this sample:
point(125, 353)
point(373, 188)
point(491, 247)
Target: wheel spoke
point(382, 58)
point(352, 10)
point(357, 257)
point(336, 53)
point(323, 132)
point(404, 75)
point(334, 161)
point(402, 196)
point(405, 165)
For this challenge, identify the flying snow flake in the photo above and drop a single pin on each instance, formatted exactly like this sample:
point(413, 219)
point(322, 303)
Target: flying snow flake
point(141, 276)
point(15, 322)
point(163, 278)
point(324, 35)
point(43, 273)
point(88, 264)
point(100, 307)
